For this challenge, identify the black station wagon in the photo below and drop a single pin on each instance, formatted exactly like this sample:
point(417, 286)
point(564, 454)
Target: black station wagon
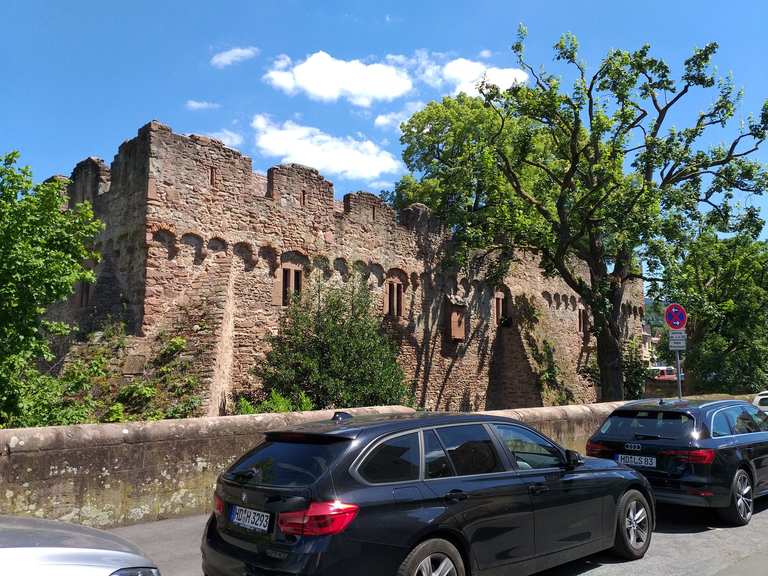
point(695, 453)
point(420, 495)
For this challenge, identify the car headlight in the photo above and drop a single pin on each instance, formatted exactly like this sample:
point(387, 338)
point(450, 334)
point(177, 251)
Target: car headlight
point(137, 572)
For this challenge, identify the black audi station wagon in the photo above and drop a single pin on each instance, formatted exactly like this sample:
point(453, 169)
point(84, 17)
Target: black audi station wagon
point(694, 453)
point(420, 495)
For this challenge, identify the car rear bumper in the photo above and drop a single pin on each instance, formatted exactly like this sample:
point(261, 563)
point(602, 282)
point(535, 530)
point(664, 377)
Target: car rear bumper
point(691, 495)
point(320, 557)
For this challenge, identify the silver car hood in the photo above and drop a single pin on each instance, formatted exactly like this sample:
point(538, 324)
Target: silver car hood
point(33, 542)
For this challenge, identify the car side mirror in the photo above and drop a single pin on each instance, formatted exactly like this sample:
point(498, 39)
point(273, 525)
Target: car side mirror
point(573, 459)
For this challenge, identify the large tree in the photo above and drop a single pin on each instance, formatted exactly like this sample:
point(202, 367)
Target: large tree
point(593, 178)
point(43, 250)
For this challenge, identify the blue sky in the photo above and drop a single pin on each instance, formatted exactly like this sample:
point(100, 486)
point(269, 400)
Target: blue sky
point(322, 83)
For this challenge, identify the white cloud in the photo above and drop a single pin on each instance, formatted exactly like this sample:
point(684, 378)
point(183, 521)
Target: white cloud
point(424, 65)
point(347, 157)
point(381, 185)
point(201, 105)
point(233, 56)
point(392, 120)
point(323, 77)
point(228, 137)
point(465, 74)
point(485, 53)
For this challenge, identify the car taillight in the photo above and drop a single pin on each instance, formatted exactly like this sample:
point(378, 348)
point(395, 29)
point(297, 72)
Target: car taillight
point(598, 450)
point(218, 505)
point(320, 519)
point(703, 456)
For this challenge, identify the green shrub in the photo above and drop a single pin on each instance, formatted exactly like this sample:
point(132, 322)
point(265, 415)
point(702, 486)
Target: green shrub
point(275, 403)
point(332, 348)
point(137, 395)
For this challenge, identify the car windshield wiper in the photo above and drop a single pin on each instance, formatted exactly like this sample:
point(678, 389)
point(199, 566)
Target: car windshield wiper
point(243, 474)
point(652, 437)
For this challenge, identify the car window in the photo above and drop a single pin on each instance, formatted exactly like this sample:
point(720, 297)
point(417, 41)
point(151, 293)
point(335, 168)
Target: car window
point(436, 461)
point(743, 422)
point(394, 460)
point(280, 462)
point(471, 449)
point(527, 449)
point(720, 425)
point(649, 423)
point(763, 401)
point(759, 417)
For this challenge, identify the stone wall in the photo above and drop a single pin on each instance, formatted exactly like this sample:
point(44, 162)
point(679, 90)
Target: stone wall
point(196, 243)
point(115, 474)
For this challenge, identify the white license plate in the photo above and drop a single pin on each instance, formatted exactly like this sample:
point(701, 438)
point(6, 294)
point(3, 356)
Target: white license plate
point(251, 519)
point(642, 461)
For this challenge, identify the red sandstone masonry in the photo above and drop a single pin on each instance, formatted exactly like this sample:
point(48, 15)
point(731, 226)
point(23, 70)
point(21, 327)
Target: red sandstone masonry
point(192, 231)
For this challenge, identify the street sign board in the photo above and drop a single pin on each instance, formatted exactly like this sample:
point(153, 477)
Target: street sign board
point(675, 317)
point(677, 340)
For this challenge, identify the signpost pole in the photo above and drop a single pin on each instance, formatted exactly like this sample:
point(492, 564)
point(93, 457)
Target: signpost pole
point(676, 318)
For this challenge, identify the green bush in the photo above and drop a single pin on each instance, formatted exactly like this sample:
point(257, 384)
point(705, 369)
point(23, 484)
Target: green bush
point(332, 348)
point(636, 374)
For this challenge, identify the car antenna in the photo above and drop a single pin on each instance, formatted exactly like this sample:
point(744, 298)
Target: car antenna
point(339, 417)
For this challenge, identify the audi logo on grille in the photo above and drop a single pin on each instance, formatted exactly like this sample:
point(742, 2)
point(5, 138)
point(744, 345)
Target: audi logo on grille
point(630, 446)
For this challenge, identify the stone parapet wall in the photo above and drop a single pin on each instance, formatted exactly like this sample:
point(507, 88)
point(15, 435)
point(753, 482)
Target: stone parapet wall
point(569, 426)
point(115, 474)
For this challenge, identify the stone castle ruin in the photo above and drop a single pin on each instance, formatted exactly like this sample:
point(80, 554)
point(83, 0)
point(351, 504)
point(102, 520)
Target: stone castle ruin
point(196, 243)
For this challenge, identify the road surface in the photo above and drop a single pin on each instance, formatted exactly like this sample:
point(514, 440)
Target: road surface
point(687, 542)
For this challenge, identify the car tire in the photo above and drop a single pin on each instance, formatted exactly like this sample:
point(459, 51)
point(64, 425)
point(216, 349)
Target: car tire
point(442, 557)
point(739, 510)
point(634, 526)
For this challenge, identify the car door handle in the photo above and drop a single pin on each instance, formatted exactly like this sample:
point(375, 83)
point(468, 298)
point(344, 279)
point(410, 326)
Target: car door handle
point(456, 496)
point(538, 488)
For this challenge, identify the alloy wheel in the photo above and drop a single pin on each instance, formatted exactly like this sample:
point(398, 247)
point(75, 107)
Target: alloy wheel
point(744, 504)
point(636, 524)
point(436, 565)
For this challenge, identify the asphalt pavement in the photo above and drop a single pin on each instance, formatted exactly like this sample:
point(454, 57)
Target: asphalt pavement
point(687, 542)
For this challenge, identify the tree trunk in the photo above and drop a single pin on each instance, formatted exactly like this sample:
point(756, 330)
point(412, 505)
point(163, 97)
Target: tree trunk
point(609, 362)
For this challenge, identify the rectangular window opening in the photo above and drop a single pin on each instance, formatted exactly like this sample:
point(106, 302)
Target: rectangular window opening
point(297, 281)
point(213, 176)
point(457, 323)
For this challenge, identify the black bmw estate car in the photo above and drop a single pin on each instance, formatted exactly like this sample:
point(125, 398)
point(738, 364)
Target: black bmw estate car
point(695, 453)
point(420, 495)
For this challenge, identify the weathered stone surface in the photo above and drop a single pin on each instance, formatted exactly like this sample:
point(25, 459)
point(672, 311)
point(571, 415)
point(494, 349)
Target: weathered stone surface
point(194, 242)
point(112, 474)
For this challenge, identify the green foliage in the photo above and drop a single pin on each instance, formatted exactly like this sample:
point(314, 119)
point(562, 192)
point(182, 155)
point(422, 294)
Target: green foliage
point(636, 373)
point(554, 391)
point(275, 403)
point(42, 254)
point(244, 406)
point(172, 348)
point(722, 280)
point(90, 387)
point(589, 176)
point(331, 348)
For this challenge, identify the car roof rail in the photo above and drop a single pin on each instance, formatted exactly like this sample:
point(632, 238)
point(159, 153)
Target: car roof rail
point(341, 416)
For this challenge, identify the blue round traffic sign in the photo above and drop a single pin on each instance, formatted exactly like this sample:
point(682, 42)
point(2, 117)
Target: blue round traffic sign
point(675, 316)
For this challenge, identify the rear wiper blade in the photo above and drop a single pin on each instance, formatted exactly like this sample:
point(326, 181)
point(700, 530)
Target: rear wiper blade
point(652, 437)
point(243, 474)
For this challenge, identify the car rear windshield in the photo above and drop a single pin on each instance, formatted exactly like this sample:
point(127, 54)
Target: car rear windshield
point(289, 460)
point(648, 424)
